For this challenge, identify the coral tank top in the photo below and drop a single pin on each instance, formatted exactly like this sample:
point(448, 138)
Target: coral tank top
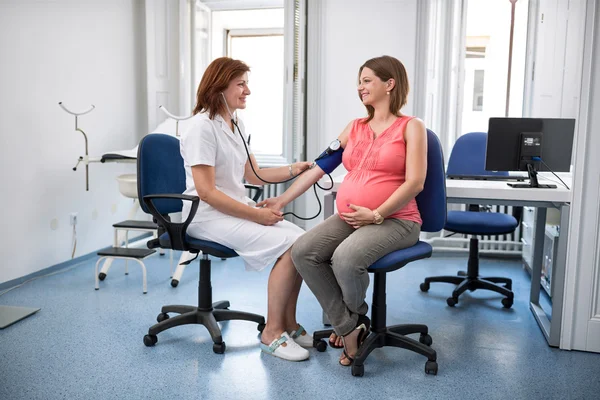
point(376, 168)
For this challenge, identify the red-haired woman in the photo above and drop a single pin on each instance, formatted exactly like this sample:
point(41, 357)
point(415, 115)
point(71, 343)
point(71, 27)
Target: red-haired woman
point(216, 163)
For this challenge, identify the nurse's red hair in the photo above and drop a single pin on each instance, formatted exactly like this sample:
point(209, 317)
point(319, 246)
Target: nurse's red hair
point(215, 80)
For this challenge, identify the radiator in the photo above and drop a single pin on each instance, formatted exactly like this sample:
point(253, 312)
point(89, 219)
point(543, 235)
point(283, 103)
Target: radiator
point(271, 190)
point(509, 245)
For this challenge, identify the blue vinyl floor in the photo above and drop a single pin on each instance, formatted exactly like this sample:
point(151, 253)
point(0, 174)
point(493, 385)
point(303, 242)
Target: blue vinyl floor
point(87, 344)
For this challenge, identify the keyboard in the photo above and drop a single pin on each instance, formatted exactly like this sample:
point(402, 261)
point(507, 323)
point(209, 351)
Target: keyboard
point(519, 178)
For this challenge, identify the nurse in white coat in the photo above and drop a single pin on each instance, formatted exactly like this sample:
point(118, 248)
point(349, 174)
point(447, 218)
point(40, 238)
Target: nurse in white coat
point(216, 162)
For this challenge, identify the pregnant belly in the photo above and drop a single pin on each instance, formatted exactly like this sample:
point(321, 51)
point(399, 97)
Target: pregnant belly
point(370, 195)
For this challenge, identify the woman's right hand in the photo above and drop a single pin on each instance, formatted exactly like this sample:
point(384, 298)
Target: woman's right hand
point(267, 216)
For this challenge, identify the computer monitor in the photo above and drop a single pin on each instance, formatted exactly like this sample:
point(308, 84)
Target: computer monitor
point(518, 144)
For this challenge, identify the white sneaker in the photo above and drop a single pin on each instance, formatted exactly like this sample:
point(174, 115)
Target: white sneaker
point(285, 347)
point(302, 337)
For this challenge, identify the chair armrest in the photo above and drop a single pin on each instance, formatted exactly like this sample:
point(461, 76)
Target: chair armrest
point(258, 189)
point(176, 231)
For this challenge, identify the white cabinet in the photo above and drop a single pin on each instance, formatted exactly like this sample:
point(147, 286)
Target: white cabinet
point(549, 255)
point(549, 251)
point(527, 236)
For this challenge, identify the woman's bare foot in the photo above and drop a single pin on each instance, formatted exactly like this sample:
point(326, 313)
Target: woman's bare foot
point(269, 334)
point(293, 326)
point(351, 346)
point(335, 341)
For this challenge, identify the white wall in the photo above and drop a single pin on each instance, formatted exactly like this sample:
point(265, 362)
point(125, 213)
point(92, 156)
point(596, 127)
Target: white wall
point(342, 35)
point(81, 53)
point(351, 35)
point(581, 322)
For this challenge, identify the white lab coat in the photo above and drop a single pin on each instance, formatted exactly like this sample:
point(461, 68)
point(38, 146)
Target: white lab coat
point(211, 142)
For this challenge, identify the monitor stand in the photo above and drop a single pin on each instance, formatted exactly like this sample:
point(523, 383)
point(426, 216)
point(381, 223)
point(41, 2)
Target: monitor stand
point(533, 181)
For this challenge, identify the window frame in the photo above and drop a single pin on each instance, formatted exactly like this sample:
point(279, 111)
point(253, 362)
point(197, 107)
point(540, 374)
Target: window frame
point(266, 159)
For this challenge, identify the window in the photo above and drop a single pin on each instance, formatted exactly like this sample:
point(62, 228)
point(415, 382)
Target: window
point(478, 89)
point(494, 62)
point(263, 51)
point(475, 52)
point(271, 41)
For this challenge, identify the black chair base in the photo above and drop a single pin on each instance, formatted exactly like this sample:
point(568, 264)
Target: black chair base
point(382, 336)
point(209, 318)
point(465, 283)
point(471, 281)
point(207, 313)
point(393, 336)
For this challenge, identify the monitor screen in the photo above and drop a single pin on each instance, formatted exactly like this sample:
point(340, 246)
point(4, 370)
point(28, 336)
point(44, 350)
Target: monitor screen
point(503, 151)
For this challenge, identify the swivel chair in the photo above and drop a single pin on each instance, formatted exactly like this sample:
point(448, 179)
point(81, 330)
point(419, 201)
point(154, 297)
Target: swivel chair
point(432, 206)
point(161, 182)
point(468, 158)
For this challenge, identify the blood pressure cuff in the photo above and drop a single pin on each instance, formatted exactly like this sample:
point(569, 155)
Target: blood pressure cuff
point(329, 162)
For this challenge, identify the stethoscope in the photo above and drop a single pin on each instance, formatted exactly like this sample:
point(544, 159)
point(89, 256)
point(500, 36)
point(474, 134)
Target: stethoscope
point(287, 180)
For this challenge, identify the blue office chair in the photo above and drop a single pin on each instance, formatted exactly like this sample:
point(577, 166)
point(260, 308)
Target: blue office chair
point(432, 206)
point(468, 158)
point(161, 182)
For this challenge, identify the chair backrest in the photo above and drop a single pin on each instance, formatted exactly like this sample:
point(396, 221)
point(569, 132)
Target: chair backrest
point(432, 199)
point(160, 171)
point(468, 156)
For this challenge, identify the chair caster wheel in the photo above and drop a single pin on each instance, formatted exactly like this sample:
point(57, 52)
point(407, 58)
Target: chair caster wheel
point(431, 368)
point(462, 273)
point(261, 327)
point(162, 317)
point(174, 282)
point(102, 276)
point(358, 370)
point(426, 339)
point(219, 348)
point(150, 340)
point(424, 286)
point(507, 302)
point(320, 345)
point(452, 301)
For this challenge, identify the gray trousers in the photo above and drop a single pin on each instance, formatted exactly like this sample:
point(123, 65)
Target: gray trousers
point(333, 258)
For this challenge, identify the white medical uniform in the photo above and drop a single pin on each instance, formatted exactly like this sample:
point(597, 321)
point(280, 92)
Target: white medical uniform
point(211, 142)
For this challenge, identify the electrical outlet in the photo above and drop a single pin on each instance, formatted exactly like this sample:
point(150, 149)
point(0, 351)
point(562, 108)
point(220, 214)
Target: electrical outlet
point(73, 219)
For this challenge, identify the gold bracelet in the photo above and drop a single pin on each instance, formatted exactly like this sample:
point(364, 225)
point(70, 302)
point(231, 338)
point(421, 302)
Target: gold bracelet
point(377, 218)
point(290, 169)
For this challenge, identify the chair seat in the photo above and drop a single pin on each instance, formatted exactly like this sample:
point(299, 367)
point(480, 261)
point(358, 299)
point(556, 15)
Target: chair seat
point(205, 246)
point(134, 224)
point(126, 252)
point(399, 258)
point(480, 223)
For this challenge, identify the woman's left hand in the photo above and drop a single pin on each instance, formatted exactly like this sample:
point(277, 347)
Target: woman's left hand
point(299, 167)
point(360, 217)
point(274, 203)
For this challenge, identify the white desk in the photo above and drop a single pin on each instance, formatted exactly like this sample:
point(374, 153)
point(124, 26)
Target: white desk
point(499, 193)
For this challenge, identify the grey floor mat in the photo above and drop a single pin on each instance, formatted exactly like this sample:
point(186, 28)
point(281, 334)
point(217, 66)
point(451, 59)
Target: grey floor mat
point(10, 314)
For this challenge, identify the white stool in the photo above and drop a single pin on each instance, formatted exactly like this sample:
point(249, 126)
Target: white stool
point(126, 254)
point(131, 225)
